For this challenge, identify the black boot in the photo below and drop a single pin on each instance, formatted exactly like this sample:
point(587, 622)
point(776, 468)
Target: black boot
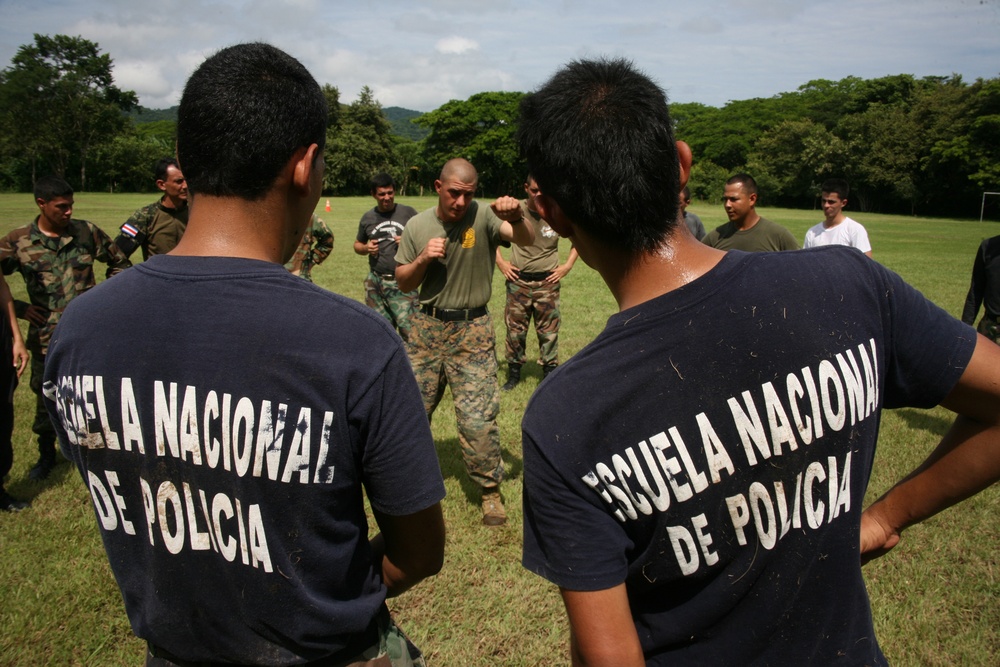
point(46, 462)
point(513, 376)
point(548, 368)
point(9, 503)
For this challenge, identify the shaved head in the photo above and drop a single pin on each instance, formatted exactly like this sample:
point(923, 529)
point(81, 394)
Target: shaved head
point(459, 169)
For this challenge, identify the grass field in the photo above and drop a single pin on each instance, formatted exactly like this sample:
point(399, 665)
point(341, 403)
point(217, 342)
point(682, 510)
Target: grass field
point(934, 598)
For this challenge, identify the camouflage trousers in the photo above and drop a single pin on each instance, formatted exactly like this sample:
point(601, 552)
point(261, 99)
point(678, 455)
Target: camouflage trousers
point(393, 649)
point(463, 356)
point(42, 426)
point(527, 300)
point(989, 328)
point(384, 297)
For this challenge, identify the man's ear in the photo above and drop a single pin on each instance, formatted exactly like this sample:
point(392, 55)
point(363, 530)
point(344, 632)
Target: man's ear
point(553, 214)
point(684, 158)
point(304, 168)
point(161, 184)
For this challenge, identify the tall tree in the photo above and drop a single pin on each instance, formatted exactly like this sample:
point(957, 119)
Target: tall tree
point(480, 129)
point(59, 100)
point(360, 147)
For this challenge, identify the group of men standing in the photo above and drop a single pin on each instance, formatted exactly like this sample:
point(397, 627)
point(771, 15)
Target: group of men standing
point(431, 283)
point(746, 230)
point(650, 505)
point(55, 254)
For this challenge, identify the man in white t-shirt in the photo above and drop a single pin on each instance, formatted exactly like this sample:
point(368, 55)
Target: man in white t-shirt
point(837, 228)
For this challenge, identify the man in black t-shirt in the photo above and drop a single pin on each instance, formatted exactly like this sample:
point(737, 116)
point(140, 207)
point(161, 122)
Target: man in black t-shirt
point(698, 499)
point(984, 290)
point(378, 238)
point(230, 455)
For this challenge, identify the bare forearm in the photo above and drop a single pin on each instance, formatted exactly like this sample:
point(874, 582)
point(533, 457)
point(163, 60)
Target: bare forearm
point(409, 276)
point(522, 234)
point(965, 463)
point(360, 248)
point(409, 548)
point(602, 632)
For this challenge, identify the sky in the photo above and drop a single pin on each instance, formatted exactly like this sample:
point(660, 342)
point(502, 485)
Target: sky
point(419, 54)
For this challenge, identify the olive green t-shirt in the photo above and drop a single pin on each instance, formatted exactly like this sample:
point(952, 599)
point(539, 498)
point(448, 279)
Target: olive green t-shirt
point(765, 236)
point(463, 278)
point(543, 254)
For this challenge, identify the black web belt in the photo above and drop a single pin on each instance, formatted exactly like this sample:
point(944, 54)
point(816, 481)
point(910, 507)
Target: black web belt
point(446, 315)
point(526, 277)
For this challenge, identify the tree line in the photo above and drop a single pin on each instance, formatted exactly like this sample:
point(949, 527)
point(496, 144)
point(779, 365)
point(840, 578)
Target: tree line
point(925, 146)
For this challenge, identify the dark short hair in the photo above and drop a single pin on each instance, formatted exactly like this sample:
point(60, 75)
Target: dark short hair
point(837, 185)
point(244, 113)
point(382, 180)
point(748, 182)
point(599, 140)
point(160, 170)
point(48, 188)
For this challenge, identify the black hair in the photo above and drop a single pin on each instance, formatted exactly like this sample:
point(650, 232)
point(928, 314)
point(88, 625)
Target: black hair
point(48, 188)
point(382, 180)
point(244, 113)
point(160, 170)
point(599, 140)
point(836, 185)
point(749, 184)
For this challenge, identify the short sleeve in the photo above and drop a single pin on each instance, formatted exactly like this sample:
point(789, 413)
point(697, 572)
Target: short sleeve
point(568, 539)
point(400, 464)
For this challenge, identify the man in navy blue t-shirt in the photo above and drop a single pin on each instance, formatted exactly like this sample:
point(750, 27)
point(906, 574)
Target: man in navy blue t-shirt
point(704, 508)
point(227, 453)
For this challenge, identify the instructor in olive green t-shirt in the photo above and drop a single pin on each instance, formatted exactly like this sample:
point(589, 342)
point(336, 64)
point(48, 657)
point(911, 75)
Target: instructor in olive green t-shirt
point(448, 252)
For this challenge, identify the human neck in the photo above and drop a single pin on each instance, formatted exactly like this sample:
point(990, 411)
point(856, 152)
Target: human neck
point(235, 227)
point(173, 204)
point(680, 260)
point(835, 221)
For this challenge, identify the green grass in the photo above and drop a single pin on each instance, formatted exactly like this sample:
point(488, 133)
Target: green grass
point(934, 598)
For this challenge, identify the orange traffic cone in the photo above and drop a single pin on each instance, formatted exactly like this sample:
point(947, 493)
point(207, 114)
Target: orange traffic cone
point(328, 205)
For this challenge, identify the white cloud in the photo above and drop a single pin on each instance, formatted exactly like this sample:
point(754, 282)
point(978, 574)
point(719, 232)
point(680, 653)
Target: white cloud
point(456, 45)
point(421, 54)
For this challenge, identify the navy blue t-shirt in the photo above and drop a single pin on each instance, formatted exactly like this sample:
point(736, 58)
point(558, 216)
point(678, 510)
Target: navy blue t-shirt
point(720, 471)
point(228, 419)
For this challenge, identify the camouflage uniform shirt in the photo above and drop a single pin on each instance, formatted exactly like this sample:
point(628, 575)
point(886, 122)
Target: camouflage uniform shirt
point(155, 228)
point(56, 270)
point(316, 246)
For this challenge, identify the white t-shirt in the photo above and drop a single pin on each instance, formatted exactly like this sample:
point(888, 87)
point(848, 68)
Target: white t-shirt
point(849, 232)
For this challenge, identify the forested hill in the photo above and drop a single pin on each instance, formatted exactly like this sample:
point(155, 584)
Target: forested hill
point(402, 123)
point(144, 115)
point(399, 118)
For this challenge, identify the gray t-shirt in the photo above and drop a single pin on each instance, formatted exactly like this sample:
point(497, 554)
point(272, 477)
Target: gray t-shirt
point(384, 227)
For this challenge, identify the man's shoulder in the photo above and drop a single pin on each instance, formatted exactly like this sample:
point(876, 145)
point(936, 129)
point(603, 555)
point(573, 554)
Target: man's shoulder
point(425, 217)
point(144, 215)
point(88, 230)
point(724, 230)
point(405, 211)
point(816, 229)
point(18, 233)
point(767, 223)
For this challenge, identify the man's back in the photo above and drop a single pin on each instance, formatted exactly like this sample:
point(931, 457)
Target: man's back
point(250, 426)
point(723, 479)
